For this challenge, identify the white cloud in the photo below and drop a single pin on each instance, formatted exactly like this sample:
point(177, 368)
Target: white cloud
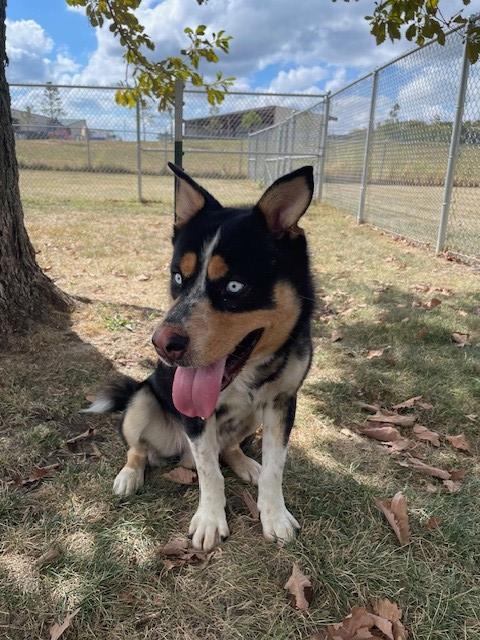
point(299, 79)
point(30, 49)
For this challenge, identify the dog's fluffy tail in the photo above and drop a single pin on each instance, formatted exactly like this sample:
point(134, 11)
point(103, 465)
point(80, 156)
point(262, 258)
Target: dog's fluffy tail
point(114, 397)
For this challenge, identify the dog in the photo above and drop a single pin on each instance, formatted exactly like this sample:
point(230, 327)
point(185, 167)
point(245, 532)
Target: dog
point(233, 349)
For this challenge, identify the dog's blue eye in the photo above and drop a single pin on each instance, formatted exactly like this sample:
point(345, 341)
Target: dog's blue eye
point(177, 278)
point(234, 286)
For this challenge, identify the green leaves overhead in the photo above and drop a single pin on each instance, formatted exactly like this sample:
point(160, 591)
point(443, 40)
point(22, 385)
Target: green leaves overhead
point(421, 21)
point(151, 78)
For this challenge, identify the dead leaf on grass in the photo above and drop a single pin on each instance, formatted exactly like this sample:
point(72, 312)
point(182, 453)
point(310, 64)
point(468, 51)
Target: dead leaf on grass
point(57, 630)
point(251, 505)
point(375, 353)
point(431, 304)
point(300, 588)
point(457, 474)
point(181, 475)
point(432, 523)
point(400, 421)
point(459, 442)
point(422, 433)
point(431, 488)
point(380, 432)
point(336, 336)
point(407, 404)
point(143, 277)
point(368, 407)
point(177, 553)
point(397, 446)
point(418, 465)
point(452, 486)
point(395, 510)
point(37, 474)
point(461, 339)
point(49, 556)
point(363, 624)
point(89, 433)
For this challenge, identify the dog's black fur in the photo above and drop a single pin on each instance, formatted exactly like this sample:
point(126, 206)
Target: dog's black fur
point(264, 326)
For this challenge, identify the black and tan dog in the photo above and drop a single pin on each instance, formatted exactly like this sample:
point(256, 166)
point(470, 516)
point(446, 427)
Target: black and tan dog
point(234, 349)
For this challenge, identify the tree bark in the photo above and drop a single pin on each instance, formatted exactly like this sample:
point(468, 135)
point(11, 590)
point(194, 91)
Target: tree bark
point(27, 295)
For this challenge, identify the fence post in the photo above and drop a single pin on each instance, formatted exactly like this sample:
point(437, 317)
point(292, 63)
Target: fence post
point(139, 155)
point(454, 145)
point(178, 137)
point(368, 144)
point(87, 140)
point(323, 149)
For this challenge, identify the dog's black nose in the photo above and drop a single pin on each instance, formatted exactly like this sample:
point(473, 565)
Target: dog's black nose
point(169, 343)
point(176, 345)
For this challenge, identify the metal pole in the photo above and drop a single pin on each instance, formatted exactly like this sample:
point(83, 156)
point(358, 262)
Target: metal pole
point(139, 155)
point(87, 140)
point(292, 143)
point(178, 137)
point(323, 149)
point(454, 145)
point(368, 144)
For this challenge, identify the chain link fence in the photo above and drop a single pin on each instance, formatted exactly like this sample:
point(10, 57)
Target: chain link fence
point(398, 148)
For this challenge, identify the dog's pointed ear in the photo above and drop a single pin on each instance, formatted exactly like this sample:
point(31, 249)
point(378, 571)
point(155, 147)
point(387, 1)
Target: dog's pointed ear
point(287, 199)
point(191, 198)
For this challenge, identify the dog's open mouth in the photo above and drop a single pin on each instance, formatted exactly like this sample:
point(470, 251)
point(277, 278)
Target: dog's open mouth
point(195, 391)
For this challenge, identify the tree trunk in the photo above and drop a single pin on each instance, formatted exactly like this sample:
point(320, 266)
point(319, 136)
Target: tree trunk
point(27, 295)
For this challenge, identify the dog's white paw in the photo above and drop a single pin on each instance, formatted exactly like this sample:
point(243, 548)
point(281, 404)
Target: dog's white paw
point(128, 481)
point(248, 469)
point(208, 528)
point(278, 524)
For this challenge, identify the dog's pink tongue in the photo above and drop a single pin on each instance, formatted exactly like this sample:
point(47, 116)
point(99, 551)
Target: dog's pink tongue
point(195, 391)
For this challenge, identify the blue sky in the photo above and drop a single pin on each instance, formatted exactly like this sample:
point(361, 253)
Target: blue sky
point(309, 45)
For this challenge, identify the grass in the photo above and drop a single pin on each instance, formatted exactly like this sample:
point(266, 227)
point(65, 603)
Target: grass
point(108, 563)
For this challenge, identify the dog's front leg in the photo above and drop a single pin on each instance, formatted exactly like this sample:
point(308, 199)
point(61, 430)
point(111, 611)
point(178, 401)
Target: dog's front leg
point(209, 524)
point(278, 418)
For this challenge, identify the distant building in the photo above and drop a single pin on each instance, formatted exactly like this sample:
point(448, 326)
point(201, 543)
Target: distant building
point(236, 124)
point(34, 126)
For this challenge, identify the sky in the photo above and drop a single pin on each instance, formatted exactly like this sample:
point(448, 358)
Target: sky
point(301, 46)
point(307, 46)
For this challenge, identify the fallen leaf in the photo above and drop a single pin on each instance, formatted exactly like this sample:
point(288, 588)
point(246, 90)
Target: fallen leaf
point(251, 505)
point(401, 421)
point(431, 488)
point(395, 510)
point(178, 553)
point(472, 417)
point(399, 631)
point(143, 277)
point(181, 475)
point(375, 353)
point(89, 433)
point(457, 474)
point(119, 274)
point(407, 404)
point(433, 523)
point(386, 609)
point(431, 304)
point(461, 339)
point(398, 446)
point(459, 442)
point(368, 407)
point(425, 405)
point(382, 433)
point(452, 486)
point(49, 556)
point(418, 465)
point(37, 474)
point(57, 630)
point(336, 336)
point(422, 433)
point(300, 588)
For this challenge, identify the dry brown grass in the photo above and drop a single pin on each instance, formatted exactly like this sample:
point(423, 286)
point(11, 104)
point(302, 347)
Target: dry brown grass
point(109, 564)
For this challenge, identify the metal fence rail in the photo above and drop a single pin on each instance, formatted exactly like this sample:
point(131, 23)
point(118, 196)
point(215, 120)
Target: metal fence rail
point(398, 148)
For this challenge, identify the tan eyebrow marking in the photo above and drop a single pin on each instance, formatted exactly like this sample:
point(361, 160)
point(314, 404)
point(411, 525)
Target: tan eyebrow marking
point(217, 268)
point(188, 264)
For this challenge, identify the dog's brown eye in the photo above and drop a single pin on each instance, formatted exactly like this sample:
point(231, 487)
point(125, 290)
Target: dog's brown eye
point(234, 286)
point(177, 278)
